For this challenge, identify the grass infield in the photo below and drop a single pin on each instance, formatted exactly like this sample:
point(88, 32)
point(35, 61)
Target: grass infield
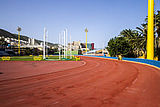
point(31, 58)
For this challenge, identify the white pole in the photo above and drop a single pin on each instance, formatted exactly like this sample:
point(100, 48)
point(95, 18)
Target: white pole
point(59, 48)
point(64, 44)
point(44, 37)
point(103, 47)
point(61, 43)
point(47, 42)
point(66, 41)
point(70, 48)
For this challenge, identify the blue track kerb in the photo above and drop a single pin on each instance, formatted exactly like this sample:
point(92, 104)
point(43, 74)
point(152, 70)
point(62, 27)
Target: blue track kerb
point(144, 61)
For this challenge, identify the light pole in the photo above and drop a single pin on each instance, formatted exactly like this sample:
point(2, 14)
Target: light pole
point(150, 33)
point(19, 29)
point(86, 30)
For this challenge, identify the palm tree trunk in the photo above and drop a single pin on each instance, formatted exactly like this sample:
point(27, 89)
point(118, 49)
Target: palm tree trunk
point(158, 50)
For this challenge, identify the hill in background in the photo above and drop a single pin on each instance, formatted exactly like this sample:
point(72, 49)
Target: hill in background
point(7, 34)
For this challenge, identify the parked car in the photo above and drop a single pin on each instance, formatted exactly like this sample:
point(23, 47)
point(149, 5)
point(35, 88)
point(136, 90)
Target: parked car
point(3, 53)
point(10, 52)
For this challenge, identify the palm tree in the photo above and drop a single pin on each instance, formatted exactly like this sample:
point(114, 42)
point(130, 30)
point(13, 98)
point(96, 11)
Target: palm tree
point(128, 33)
point(157, 28)
point(156, 31)
point(143, 39)
point(135, 40)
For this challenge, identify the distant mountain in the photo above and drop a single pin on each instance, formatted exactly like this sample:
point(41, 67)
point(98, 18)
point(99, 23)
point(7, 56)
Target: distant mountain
point(10, 35)
point(24, 38)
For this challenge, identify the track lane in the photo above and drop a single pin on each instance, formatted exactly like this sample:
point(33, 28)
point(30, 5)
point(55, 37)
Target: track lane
point(43, 78)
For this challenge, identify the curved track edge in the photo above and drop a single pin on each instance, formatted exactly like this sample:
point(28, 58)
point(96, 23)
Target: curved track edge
point(151, 63)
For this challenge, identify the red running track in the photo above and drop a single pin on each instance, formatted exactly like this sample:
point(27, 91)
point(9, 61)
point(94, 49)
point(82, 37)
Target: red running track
point(95, 83)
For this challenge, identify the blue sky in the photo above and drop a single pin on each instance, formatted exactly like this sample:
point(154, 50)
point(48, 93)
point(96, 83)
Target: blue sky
point(103, 18)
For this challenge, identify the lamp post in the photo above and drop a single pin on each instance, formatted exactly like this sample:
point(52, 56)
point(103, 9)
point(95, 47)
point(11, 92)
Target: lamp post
point(86, 30)
point(19, 29)
point(150, 33)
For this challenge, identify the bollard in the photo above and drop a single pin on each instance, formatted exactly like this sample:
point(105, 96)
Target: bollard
point(6, 58)
point(119, 57)
point(77, 58)
point(37, 58)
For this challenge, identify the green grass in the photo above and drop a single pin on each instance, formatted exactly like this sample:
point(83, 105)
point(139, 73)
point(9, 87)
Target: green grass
point(30, 58)
point(20, 58)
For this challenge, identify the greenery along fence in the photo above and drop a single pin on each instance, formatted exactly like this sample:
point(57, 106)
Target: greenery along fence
point(39, 58)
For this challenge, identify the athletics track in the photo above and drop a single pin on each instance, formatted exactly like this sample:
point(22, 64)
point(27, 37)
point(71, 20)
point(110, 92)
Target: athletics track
point(92, 82)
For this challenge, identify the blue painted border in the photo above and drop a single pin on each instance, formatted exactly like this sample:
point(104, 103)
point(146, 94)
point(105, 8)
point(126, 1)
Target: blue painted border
point(144, 61)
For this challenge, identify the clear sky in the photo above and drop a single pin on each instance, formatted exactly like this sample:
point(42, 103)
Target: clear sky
point(103, 18)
